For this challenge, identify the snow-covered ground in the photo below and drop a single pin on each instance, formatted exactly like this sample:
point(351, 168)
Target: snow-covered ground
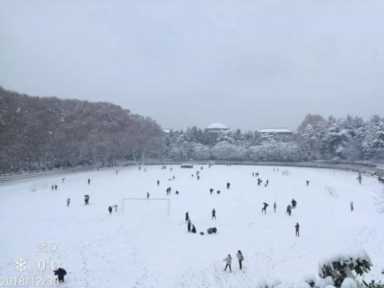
point(142, 246)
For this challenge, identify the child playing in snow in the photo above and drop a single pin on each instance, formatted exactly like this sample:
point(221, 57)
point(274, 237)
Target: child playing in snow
point(228, 263)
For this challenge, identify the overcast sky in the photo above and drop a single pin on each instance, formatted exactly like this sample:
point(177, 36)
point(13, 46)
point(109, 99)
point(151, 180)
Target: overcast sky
point(246, 63)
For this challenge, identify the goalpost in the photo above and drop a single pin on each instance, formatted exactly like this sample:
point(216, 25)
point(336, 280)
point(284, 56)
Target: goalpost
point(134, 199)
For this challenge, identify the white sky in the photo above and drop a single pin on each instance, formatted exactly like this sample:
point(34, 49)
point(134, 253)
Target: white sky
point(247, 63)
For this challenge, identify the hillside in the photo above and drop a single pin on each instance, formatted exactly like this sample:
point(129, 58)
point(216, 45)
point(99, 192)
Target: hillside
point(42, 133)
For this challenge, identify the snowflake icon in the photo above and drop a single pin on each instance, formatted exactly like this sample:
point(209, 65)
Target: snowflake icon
point(21, 264)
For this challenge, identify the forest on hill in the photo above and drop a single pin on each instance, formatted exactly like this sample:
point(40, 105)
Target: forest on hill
point(39, 133)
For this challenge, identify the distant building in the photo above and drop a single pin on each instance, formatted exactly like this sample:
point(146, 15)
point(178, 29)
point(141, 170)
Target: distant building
point(267, 132)
point(217, 128)
point(278, 134)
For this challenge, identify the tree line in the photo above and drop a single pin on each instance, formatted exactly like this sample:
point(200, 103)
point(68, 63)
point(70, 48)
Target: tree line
point(44, 133)
point(350, 138)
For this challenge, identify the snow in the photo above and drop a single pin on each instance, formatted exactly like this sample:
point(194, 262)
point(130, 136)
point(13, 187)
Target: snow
point(349, 283)
point(141, 246)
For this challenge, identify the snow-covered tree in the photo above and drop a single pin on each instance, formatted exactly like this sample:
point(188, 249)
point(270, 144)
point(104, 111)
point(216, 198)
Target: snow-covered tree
point(275, 151)
point(311, 133)
point(373, 143)
point(227, 151)
point(345, 266)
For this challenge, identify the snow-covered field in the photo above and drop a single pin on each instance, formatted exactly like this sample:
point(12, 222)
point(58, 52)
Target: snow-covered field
point(142, 246)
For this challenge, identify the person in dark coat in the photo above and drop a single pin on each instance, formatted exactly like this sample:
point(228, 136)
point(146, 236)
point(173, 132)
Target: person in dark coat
point(274, 207)
point(110, 210)
point(86, 199)
point(307, 182)
point(193, 229)
point(189, 225)
point(228, 185)
point(264, 209)
point(60, 273)
point(89, 181)
point(289, 210)
point(186, 216)
point(351, 206)
point(359, 178)
point(240, 258)
point(213, 214)
point(68, 202)
point(148, 195)
point(158, 182)
point(211, 191)
point(297, 229)
point(294, 203)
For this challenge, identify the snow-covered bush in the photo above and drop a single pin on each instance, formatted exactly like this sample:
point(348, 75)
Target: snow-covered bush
point(345, 266)
point(227, 151)
point(200, 152)
point(275, 151)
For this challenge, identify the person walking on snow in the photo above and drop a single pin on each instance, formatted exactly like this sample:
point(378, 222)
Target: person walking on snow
point(213, 214)
point(189, 225)
point(351, 206)
point(186, 216)
point(60, 273)
point(264, 209)
point(289, 210)
point(240, 258)
point(86, 199)
point(68, 202)
point(228, 263)
point(110, 210)
point(297, 229)
point(274, 207)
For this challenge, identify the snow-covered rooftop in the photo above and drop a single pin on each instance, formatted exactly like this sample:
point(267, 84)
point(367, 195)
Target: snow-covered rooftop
point(282, 130)
point(217, 126)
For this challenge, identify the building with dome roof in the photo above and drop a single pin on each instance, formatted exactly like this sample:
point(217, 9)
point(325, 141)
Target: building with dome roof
point(217, 128)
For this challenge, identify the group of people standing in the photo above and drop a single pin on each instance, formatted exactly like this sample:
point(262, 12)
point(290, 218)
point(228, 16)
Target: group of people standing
point(191, 228)
point(111, 208)
point(228, 261)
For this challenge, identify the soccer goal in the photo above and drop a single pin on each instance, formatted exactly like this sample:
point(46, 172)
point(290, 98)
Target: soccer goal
point(163, 204)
